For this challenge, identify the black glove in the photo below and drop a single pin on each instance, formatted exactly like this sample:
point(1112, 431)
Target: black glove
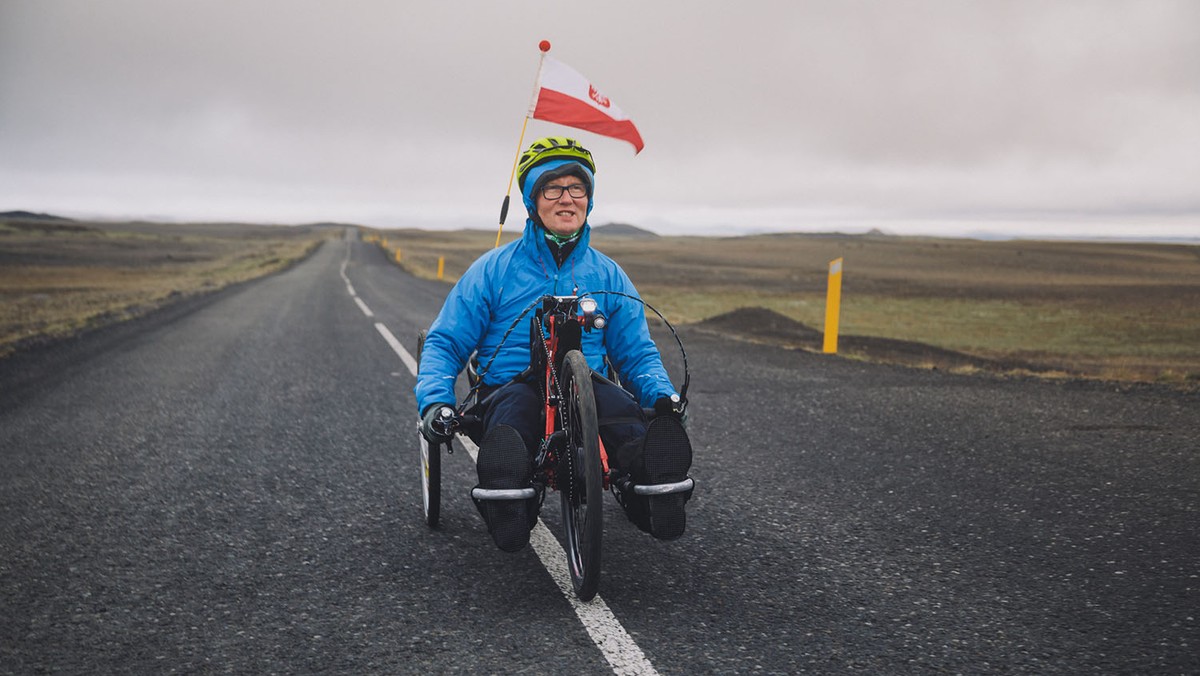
point(673, 407)
point(435, 434)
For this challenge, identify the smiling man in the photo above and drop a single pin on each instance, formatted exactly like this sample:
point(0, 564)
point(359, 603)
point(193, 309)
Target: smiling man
point(557, 180)
point(562, 206)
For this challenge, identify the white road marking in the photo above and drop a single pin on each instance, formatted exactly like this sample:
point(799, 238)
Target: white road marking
point(342, 270)
point(409, 362)
point(617, 646)
point(363, 306)
point(470, 447)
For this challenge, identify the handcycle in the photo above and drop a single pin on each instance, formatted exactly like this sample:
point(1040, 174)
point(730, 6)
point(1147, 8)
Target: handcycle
point(571, 458)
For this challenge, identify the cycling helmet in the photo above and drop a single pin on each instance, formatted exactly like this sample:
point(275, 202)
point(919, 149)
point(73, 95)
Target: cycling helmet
point(552, 148)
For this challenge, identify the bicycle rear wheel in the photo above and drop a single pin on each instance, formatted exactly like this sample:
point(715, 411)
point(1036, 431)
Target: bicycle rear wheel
point(582, 487)
point(431, 464)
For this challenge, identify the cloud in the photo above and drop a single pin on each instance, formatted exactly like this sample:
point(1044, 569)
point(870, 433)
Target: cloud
point(402, 110)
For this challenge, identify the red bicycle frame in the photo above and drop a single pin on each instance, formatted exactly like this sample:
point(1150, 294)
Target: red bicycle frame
point(552, 401)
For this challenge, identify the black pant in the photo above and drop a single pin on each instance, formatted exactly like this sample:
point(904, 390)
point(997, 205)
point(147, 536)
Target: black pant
point(518, 405)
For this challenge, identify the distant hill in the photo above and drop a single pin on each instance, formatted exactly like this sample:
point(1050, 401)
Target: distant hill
point(328, 224)
point(30, 216)
point(622, 230)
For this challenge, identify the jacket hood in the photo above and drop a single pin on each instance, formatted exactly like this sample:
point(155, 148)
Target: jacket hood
point(531, 181)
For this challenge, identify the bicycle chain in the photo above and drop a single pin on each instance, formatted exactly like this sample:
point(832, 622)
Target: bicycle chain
point(553, 374)
point(562, 417)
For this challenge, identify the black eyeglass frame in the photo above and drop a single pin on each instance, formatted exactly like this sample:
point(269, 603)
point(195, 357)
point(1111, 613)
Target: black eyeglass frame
point(554, 192)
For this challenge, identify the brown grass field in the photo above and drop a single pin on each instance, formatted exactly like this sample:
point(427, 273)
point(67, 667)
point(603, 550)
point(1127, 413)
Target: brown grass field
point(1110, 310)
point(59, 277)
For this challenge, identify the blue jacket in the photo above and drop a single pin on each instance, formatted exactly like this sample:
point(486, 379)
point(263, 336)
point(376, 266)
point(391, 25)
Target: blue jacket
point(500, 284)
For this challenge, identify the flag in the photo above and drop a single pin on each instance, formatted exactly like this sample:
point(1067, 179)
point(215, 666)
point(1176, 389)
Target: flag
point(566, 97)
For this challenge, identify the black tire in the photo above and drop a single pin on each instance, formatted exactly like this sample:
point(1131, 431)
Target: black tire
point(431, 463)
point(582, 497)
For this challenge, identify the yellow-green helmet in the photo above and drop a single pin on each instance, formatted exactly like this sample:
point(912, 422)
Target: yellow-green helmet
point(552, 148)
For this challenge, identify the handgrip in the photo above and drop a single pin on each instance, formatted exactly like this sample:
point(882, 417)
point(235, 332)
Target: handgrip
point(444, 423)
point(504, 210)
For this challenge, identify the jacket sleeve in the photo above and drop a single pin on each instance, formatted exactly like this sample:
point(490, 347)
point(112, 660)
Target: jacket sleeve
point(452, 338)
point(629, 346)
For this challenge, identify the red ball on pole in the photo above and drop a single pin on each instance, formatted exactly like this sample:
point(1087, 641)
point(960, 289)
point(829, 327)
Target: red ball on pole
point(544, 45)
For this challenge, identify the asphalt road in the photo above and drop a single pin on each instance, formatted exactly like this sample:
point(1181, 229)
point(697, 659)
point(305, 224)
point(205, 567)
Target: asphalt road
point(231, 486)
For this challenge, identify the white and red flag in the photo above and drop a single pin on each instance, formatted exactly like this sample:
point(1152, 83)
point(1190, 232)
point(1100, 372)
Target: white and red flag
point(566, 97)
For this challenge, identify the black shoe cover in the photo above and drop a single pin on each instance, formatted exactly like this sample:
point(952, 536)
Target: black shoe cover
point(504, 463)
point(637, 509)
point(668, 457)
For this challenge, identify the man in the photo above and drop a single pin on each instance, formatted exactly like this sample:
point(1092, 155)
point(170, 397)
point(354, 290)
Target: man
point(556, 176)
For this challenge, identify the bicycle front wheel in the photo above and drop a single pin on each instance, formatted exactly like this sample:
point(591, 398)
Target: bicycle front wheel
point(431, 464)
point(582, 488)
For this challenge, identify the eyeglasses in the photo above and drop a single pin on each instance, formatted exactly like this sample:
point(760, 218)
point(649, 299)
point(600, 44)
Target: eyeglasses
point(553, 192)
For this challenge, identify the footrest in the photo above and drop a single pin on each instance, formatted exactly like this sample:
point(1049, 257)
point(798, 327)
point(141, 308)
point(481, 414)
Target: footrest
point(503, 493)
point(663, 489)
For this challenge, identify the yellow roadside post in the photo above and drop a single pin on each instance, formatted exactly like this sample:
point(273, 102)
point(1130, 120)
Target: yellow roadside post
point(833, 302)
point(397, 254)
point(385, 242)
point(441, 266)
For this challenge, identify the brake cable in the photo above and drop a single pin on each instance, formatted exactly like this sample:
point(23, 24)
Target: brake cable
point(682, 352)
point(503, 339)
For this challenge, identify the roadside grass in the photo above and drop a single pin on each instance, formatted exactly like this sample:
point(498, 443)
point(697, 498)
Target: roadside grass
point(58, 279)
point(1120, 311)
point(420, 249)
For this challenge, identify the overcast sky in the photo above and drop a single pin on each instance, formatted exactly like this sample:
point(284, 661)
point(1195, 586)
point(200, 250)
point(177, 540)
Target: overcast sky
point(1070, 118)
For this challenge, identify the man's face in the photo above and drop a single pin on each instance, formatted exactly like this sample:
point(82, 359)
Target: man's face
point(565, 215)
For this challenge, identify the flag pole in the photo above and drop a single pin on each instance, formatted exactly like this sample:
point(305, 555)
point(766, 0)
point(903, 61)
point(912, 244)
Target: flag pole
point(544, 46)
point(508, 193)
